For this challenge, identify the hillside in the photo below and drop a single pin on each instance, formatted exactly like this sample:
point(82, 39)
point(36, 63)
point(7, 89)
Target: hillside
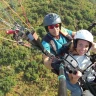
point(22, 70)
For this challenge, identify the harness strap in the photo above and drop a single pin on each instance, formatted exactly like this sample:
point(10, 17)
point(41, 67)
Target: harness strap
point(66, 35)
point(50, 40)
point(53, 46)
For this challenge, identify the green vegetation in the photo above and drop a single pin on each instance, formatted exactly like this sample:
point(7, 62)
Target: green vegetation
point(22, 72)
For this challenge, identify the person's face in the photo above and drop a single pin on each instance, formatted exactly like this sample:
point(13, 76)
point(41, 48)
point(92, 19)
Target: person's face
point(54, 29)
point(82, 47)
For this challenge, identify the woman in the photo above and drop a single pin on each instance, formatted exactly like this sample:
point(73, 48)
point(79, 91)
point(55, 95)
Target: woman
point(82, 44)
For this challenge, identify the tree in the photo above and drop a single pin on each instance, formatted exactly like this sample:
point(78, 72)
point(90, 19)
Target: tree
point(68, 20)
point(78, 15)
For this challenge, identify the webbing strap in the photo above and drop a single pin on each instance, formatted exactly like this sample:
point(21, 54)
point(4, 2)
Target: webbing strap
point(66, 35)
point(52, 43)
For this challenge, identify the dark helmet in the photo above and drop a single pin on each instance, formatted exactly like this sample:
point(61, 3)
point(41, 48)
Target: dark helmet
point(51, 18)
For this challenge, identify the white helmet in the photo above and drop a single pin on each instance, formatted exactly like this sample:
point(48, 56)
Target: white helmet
point(84, 35)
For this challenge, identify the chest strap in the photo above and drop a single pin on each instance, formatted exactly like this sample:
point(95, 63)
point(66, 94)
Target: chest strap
point(50, 40)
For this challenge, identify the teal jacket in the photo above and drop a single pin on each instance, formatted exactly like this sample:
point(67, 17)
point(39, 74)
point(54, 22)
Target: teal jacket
point(58, 43)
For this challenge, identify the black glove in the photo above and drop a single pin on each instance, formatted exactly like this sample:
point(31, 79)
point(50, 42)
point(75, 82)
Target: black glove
point(65, 48)
point(56, 64)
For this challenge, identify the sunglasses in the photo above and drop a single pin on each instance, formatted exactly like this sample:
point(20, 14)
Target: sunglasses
point(52, 26)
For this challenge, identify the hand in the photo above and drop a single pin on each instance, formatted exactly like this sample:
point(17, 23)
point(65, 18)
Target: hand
point(74, 77)
point(47, 61)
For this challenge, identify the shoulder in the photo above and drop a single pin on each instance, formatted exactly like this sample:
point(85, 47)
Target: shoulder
point(44, 43)
point(47, 38)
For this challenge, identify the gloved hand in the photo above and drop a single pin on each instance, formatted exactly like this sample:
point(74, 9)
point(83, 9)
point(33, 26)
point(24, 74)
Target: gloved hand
point(65, 48)
point(56, 63)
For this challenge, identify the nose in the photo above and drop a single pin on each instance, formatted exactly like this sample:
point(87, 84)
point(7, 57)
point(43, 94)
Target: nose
point(83, 47)
point(55, 29)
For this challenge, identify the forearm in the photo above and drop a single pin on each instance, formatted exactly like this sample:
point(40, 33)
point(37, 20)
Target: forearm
point(51, 63)
point(47, 62)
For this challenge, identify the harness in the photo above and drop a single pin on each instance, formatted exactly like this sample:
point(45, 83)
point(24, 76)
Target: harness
point(69, 60)
point(49, 39)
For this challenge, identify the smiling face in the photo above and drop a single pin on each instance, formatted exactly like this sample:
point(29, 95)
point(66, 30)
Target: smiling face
point(82, 47)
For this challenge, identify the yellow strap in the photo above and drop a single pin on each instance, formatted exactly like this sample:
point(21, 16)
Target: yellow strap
point(63, 32)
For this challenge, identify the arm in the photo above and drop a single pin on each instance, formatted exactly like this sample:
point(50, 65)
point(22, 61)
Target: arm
point(51, 63)
point(47, 61)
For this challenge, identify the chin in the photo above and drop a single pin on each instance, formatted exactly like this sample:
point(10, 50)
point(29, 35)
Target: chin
point(56, 34)
point(81, 54)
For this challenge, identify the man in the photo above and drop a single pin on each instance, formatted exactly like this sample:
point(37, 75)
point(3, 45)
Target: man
point(55, 38)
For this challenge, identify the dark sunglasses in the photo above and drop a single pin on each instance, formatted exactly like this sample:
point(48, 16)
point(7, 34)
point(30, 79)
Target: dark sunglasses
point(52, 26)
point(74, 72)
